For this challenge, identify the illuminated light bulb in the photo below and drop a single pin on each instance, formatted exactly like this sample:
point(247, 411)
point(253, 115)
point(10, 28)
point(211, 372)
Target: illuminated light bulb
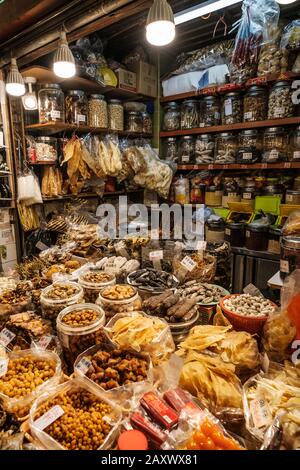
point(160, 27)
point(14, 83)
point(64, 62)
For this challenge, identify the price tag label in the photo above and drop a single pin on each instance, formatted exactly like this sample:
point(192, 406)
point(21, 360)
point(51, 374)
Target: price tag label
point(83, 365)
point(227, 231)
point(264, 166)
point(296, 155)
point(248, 115)
point(156, 255)
point(273, 155)
point(202, 124)
point(185, 158)
point(246, 195)
point(287, 165)
point(260, 413)
point(6, 336)
point(41, 246)
point(284, 266)
point(279, 112)
point(55, 114)
point(188, 263)
point(201, 245)
point(228, 107)
point(49, 417)
point(44, 342)
point(232, 194)
point(247, 234)
point(289, 198)
point(247, 156)
point(252, 290)
point(81, 118)
point(3, 366)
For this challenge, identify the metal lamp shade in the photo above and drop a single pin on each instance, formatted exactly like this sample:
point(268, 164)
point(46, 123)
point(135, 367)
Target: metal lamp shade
point(64, 62)
point(160, 11)
point(160, 26)
point(14, 83)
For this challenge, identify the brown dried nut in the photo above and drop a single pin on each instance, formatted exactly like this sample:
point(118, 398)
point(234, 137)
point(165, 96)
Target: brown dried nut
point(61, 291)
point(127, 368)
point(97, 277)
point(118, 292)
point(82, 426)
point(58, 296)
point(80, 318)
point(25, 374)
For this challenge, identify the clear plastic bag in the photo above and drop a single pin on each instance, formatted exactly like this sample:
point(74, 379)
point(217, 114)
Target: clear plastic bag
point(292, 224)
point(291, 36)
point(21, 406)
point(74, 385)
point(159, 344)
point(201, 267)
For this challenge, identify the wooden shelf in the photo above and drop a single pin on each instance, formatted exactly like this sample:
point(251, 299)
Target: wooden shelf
point(57, 127)
point(228, 87)
point(89, 195)
point(254, 166)
point(45, 75)
point(234, 127)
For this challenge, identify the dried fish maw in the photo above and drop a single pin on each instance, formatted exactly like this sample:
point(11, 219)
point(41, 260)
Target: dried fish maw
point(68, 151)
point(240, 349)
point(91, 162)
point(278, 334)
point(73, 163)
point(83, 169)
point(202, 337)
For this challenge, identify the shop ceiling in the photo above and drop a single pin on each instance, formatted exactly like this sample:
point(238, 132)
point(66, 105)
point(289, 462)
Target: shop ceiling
point(30, 28)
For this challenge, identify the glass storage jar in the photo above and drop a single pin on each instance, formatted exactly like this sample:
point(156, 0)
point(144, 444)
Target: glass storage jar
point(250, 146)
point(292, 196)
point(115, 115)
point(197, 192)
point(187, 149)
point(213, 196)
point(280, 101)
point(273, 190)
point(171, 149)
point(133, 121)
point(274, 239)
point(59, 295)
point(204, 149)
point(51, 103)
point(226, 147)
point(214, 231)
point(295, 145)
point(76, 107)
point(189, 116)
point(275, 145)
point(289, 255)
point(255, 104)
point(171, 120)
point(232, 108)
point(93, 281)
point(147, 123)
point(230, 195)
point(46, 149)
point(248, 194)
point(209, 114)
point(97, 111)
point(182, 191)
point(75, 337)
point(126, 299)
point(256, 237)
point(235, 233)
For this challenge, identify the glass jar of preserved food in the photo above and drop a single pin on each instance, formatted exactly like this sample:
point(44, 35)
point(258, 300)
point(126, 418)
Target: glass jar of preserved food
point(232, 108)
point(248, 195)
point(230, 195)
point(97, 111)
point(289, 255)
point(204, 149)
point(275, 144)
point(46, 149)
point(76, 107)
point(235, 233)
point(187, 149)
point(171, 149)
point(214, 231)
point(209, 111)
point(256, 237)
point(182, 191)
point(147, 123)
point(51, 103)
point(213, 196)
point(171, 117)
point(115, 115)
point(292, 196)
point(280, 101)
point(133, 121)
point(197, 191)
point(250, 145)
point(226, 147)
point(189, 114)
point(295, 145)
point(273, 190)
point(255, 104)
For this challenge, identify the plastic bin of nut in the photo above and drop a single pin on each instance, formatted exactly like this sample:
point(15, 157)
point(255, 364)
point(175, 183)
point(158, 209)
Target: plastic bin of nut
point(119, 298)
point(78, 328)
point(83, 418)
point(93, 281)
point(59, 295)
point(120, 372)
point(24, 376)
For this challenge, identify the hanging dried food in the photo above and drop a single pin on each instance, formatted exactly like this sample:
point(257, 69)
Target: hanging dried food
point(52, 182)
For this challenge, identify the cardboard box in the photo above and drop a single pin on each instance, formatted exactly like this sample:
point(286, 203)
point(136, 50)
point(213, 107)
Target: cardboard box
point(8, 257)
point(146, 78)
point(126, 80)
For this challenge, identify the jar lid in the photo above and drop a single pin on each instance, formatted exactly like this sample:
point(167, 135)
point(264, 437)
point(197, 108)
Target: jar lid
point(211, 189)
point(249, 189)
point(171, 104)
point(226, 134)
point(190, 101)
point(132, 439)
point(46, 139)
point(274, 129)
point(114, 101)
point(235, 225)
point(187, 137)
point(256, 89)
point(257, 228)
point(249, 132)
point(281, 83)
point(133, 113)
point(291, 242)
point(293, 192)
point(56, 86)
point(204, 136)
point(232, 93)
point(216, 223)
point(75, 93)
point(209, 98)
point(171, 139)
point(97, 97)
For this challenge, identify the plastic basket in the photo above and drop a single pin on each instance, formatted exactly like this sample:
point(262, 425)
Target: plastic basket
point(270, 204)
point(252, 325)
point(221, 212)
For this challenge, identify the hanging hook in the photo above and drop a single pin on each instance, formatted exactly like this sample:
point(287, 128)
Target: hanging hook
point(220, 20)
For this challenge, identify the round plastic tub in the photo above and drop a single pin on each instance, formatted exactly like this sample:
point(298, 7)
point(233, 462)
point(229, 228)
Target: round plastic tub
point(71, 294)
point(77, 338)
point(252, 325)
point(93, 282)
point(126, 302)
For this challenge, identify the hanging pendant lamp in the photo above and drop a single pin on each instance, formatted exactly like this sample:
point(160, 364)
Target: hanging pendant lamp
point(64, 62)
point(14, 83)
point(160, 26)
